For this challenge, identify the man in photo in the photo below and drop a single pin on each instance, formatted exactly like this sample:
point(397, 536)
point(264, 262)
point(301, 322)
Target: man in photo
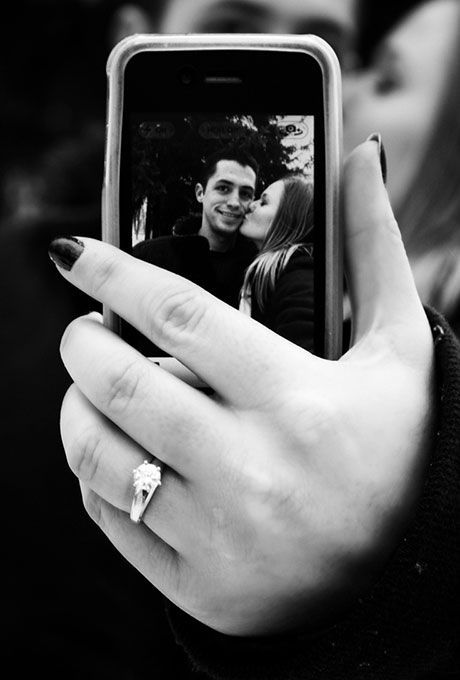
point(208, 248)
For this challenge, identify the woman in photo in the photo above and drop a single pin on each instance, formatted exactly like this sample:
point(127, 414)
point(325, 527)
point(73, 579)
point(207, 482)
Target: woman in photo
point(278, 288)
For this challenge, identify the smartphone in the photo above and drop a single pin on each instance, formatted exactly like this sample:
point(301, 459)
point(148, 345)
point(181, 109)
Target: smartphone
point(204, 134)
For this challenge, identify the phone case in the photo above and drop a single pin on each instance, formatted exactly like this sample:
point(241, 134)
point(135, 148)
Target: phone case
point(310, 44)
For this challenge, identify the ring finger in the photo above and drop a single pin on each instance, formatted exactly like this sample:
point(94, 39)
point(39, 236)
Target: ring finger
point(103, 458)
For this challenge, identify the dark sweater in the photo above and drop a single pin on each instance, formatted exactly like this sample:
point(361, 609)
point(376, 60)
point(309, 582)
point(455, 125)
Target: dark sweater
point(187, 253)
point(406, 626)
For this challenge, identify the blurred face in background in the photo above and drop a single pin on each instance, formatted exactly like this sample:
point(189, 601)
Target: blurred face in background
point(399, 95)
point(333, 20)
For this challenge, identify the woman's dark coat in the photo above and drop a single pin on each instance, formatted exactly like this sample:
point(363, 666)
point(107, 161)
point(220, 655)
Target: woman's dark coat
point(289, 307)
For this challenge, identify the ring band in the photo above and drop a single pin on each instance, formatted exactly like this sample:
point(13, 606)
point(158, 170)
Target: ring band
point(146, 479)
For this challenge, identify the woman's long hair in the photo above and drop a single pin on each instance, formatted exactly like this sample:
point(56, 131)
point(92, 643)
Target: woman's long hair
point(429, 217)
point(290, 231)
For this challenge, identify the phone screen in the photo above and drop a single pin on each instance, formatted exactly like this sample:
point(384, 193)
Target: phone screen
point(230, 197)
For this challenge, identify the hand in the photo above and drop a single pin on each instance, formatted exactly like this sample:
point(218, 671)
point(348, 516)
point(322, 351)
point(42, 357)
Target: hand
point(284, 493)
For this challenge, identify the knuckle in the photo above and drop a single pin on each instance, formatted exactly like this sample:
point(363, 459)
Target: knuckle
point(123, 386)
point(182, 315)
point(274, 499)
point(312, 419)
point(103, 274)
point(85, 453)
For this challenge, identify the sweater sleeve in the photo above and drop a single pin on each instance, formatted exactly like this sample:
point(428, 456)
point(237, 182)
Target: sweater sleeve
point(406, 626)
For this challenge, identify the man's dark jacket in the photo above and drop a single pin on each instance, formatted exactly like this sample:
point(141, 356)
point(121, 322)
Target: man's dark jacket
point(188, 254)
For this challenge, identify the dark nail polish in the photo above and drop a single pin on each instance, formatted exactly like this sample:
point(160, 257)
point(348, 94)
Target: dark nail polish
point(377, 137)
point(65, 251)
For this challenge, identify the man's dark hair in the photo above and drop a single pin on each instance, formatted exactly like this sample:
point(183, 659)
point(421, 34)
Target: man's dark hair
point(236, 154)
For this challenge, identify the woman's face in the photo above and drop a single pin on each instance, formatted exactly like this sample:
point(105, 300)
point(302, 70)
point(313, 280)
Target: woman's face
point(261, 213)
point(400, 94)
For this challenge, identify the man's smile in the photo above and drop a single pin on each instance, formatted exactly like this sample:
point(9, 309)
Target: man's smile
point(230, 215)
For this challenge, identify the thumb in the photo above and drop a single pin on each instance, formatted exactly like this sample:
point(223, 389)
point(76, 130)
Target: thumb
point(382, 290)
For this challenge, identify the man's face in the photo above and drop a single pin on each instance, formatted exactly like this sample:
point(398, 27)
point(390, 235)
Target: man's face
point(226, 197)
point(333, 20)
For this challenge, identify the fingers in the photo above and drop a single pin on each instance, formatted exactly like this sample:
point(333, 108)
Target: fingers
point(229, 351)
point(382, 289)
point(166, 417)
point(156, 560)
point(103, 458)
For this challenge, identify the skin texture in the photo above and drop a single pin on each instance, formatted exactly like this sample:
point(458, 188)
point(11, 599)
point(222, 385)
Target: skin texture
point(284, 493)
point(261, 213)
point(399, 95)
point(225, 200)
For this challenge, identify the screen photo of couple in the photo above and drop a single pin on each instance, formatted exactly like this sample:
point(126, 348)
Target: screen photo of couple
point(228, 202)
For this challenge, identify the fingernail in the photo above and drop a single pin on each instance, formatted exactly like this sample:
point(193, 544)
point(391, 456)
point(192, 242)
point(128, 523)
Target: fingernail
point(377, 137)
point(64, 251)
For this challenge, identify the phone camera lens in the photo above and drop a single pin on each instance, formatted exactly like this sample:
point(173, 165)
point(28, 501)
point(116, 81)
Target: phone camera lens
point(187, 76)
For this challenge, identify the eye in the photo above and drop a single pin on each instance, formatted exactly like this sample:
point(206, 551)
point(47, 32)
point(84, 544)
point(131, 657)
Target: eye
point(386, 82)
point(223, 188)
